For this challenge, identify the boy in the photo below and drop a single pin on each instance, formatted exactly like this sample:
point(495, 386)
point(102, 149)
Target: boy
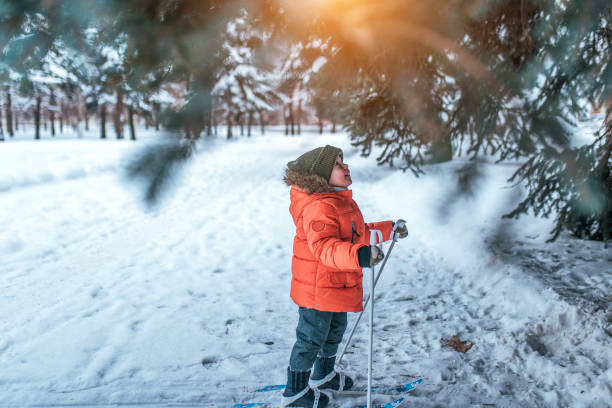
point(330, 248)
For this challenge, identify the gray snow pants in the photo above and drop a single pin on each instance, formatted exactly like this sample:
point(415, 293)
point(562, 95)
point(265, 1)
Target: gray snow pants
point(318, 333)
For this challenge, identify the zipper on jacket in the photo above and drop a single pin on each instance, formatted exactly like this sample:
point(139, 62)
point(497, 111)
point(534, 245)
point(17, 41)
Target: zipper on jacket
point(354, 232)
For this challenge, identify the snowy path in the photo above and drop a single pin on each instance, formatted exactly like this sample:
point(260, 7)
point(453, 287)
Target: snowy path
point(106, 303)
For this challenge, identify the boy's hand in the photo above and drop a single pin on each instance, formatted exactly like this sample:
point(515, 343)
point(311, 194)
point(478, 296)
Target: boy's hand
point(401, 229)
point(369, 256)
point(376, 255)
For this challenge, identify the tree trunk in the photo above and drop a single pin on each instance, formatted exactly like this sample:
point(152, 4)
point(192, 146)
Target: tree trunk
point(131, 119)
point(441, 149)
point(80, 108)
point(299, 118)
point(333, 127)
point(249, 123)
point(61, 117)
point(292, 120)
point(229, 125)
point(45, 119)
point(118, 112)
point(9, 112)
point(320, 127)
point(261, 122)
point(103, 121)
point(37, 118)
point(16, 121)
point(286, 117)
point(156, 109)
point(240, 120)
point(86, 120)
point(52, 118)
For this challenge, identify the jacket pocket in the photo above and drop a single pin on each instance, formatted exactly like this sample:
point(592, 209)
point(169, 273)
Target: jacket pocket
point(329, 278)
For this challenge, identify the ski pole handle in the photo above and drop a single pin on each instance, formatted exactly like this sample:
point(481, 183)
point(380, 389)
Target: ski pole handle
point(398, 224)
point(376, 235)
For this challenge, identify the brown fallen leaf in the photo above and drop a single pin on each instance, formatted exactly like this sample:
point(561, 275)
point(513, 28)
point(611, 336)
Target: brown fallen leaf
point(457, 344)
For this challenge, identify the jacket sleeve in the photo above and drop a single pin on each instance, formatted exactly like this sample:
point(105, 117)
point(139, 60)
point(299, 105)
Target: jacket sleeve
point(322, 229)
point(386, 227)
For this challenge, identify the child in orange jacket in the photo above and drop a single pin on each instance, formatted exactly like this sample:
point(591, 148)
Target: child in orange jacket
point(330, 248)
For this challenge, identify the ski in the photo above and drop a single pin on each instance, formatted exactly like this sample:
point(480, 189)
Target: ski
point(379, 389)
point(392, 404)
point(388, 389)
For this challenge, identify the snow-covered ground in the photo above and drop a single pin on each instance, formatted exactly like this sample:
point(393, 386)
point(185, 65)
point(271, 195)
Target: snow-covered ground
point(104, 301)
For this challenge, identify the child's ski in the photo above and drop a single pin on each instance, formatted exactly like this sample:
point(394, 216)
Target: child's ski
point(378, 389)
point(392, 404)
point(388, 389)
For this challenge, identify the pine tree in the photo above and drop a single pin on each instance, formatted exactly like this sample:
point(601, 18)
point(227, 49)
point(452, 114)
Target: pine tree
point(498, 78)
point(243, 87)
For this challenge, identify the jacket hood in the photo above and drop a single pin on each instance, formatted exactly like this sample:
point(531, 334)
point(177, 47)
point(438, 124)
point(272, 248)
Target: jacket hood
point(310, 183)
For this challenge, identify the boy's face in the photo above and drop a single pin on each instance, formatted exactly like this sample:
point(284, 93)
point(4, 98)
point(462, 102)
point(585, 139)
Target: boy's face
point(341, 175)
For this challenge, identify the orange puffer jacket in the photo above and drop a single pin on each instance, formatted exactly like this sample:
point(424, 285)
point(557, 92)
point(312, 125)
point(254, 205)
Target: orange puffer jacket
point(329, 231)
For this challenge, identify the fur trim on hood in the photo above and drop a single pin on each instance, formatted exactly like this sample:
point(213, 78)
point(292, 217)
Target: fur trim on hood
point(311, 183)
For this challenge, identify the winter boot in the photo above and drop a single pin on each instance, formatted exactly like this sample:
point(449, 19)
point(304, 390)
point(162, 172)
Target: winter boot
point(325, 377)
point(299, 394)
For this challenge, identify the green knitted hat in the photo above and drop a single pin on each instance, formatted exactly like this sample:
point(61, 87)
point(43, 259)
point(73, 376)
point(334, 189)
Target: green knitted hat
point(319, 161)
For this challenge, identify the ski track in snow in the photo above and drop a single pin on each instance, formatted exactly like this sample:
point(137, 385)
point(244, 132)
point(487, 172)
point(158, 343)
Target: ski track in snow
point(105, 302)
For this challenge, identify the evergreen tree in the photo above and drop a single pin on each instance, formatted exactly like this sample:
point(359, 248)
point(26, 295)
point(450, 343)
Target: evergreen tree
point(243, 87)
point(482, 77)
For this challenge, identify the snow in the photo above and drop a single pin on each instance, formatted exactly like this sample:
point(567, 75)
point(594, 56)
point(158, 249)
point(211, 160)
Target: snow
point(107, 302)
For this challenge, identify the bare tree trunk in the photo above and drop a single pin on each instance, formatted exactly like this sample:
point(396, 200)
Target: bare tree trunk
point(37, 118)
point(118, 112)
point(62, 116)
point(9, 112)
point(333, 127)
point(131, 120)
point(80, 107)
point(229, 125)
point(299, 117)
point(103, 121)
point(45, 118)
point(286, 117)
point(320, 126)
point(16, 121)
point(249, 123)
point(86, 120)
point(52, 103)
point(441, 149)
point(240, 120)
point(292, 120)
point(156, 109)
point(52, 119)
point(261, 122)
point(209, 119)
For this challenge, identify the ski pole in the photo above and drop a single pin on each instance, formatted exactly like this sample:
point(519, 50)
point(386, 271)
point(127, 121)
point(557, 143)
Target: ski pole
point(382, 266)
point(373, 235)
